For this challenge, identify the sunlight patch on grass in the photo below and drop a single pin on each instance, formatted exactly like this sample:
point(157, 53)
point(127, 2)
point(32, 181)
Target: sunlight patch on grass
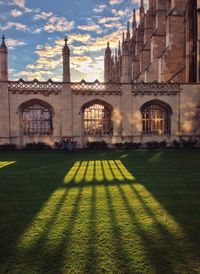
point(70, 175)
point(3, 164)
point(89, 176)
point(80, 175)
point(99, 176)
point(151, 205)
point(107, 171)
point(88, 171)
point(124, 171)
point(154, 215)
point(39, 225)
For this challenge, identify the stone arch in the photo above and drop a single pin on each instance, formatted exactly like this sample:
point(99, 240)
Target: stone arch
point(97, 118)
point(36, 101)
point(36, 118)
point(156, 117)
point(97, 101)
point(157, 102)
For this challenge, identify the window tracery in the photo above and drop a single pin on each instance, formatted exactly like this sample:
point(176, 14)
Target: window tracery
point(97, 120)
point(155, 119)
point(37, 120)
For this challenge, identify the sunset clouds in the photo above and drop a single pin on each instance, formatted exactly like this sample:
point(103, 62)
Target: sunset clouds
point(36, 29)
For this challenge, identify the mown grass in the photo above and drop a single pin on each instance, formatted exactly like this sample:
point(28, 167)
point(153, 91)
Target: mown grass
point(100, 212)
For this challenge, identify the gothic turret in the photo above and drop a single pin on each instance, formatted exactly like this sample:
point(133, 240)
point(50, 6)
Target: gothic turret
point(134, 23)
point(66, 62)
point(125, 62)
point(107, 63)
point(119, 49)
point(128, 35)
point(3, 61)
point(142, 11)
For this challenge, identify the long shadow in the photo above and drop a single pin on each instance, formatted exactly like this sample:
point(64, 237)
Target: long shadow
point(91, 255)
point(123, 262)
point(173, 180)
point(56, 257)
point(147, 242)
point(61, 252)
point(45, 226)
point(26, 201)
point(25, 188)
point(176, 245)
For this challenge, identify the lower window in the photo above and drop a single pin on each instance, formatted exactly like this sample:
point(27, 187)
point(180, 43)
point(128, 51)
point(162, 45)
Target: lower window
point(37, 120)
point(155, 120)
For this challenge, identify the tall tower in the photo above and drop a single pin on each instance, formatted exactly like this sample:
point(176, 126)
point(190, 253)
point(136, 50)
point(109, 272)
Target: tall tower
point(3, 61)
point(125, 62)
point(128, 35)
point(107, 63)
point(134, 23)
point(4, 95)
point(66, 62)
point(142, 11)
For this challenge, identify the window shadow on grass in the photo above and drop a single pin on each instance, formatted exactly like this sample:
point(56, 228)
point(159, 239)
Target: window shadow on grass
point(107, 216)
point(72, 241)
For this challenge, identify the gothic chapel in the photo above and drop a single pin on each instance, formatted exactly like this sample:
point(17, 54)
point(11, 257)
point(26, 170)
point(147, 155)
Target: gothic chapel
point(151, 90)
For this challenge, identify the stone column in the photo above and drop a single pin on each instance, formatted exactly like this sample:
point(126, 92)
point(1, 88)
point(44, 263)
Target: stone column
point(126, 112)
point(66, 98)
point(3, 61)
point(66, 62)
point(4, 95)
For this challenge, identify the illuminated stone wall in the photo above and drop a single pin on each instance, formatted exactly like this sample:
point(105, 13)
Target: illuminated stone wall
point(125, 100)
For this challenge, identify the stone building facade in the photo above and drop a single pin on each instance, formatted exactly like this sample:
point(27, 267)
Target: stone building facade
point(164, 47)
point(151, 89)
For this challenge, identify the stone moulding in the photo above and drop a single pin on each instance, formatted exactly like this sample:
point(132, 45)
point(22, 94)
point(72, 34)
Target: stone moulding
point(96, 88)
point(91, 88)
point(50, 87)
point(35, 87)
point(155, 89)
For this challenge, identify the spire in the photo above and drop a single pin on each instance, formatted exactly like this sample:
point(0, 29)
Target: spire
point(66, 40)
point(123, 37)
point(108, 50)
point(116, 55)
point(142, 11)
point(66, 62)
point(3, 40)
point(3, 44)
point(142, 4)
point(134, 23)
point(119, 49)
point(3, 61)
point(66, 48)
point(128, 31)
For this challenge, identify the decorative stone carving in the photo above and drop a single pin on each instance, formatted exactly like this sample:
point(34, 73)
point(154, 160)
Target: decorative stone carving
point(155, 88)
point(35, 86)
point(97, 88)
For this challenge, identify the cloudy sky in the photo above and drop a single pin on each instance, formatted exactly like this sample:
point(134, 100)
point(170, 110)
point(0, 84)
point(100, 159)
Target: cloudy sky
point(35, 31)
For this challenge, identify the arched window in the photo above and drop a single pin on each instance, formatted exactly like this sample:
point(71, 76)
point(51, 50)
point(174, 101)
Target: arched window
point(37, 120)
point(156, 118)
point(97, 119)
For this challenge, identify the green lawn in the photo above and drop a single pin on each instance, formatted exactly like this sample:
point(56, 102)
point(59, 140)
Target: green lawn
point(100, 212)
